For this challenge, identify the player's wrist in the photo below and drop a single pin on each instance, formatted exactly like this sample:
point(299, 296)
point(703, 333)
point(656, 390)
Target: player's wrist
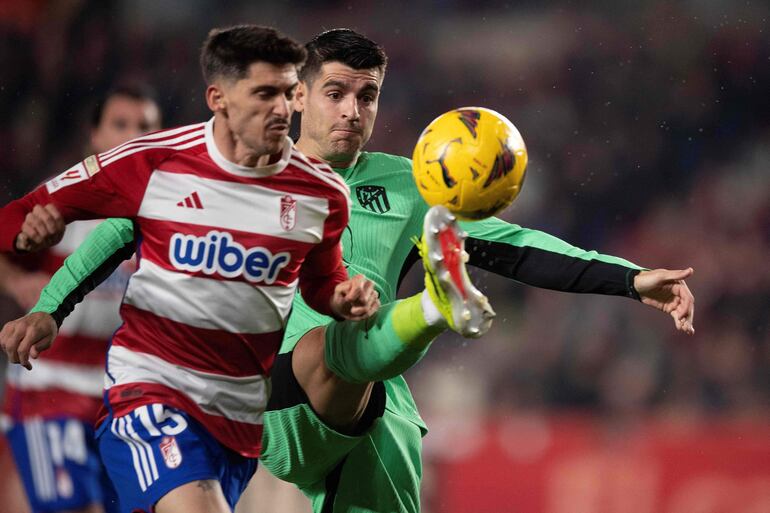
point(632, 281)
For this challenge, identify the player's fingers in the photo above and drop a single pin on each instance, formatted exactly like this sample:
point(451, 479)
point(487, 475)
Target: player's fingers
point(368, 289)
point(11, 340)
point(366, 310)
point(682, 311)
point(40, 346)
point(38, 217)
point(678, 322)
point(35, 229)
point(366, 294)
point(355, 291)
point(690, 303)
point(36, 349)
point(22, 242)
point(56, 216)
point(45, 218)
point(31, 336)
point(373, 300)
point(34, 232)
point(344, 287)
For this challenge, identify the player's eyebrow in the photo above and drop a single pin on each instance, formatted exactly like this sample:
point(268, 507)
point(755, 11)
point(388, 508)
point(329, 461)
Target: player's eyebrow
point(271, 89)
point(336, 83)
point(370, 88)
point(265, 89)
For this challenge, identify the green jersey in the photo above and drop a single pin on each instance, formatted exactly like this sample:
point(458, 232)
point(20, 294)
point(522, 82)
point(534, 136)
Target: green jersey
point(387, 211)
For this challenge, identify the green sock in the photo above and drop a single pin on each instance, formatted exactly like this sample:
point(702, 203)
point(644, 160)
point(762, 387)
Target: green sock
point(381, 347)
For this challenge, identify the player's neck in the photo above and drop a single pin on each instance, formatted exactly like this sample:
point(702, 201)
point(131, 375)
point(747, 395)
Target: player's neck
point(235, 151)
point(311, 149)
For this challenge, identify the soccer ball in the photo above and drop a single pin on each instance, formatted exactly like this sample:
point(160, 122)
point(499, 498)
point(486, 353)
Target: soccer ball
point(471, 160)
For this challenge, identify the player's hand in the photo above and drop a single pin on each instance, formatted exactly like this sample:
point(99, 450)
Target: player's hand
point(355, 299)
point(666, 290)
point(42, 228)
point(25, 288)
point(27, 337)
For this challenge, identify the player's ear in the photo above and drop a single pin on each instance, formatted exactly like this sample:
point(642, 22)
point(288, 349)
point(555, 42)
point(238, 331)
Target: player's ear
point(215, 98)
point(299, 97)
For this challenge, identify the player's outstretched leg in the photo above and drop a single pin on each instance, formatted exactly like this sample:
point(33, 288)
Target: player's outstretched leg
point(328, 393)
point(336, 365)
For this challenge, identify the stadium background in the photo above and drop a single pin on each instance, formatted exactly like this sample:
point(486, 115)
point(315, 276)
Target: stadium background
point(648, 128)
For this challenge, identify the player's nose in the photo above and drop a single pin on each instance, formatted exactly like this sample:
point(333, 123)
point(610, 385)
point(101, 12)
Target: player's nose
point(350, 109)
point(283, 106)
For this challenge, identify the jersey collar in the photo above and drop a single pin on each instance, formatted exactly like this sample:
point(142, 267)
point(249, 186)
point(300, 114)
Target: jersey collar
point(239, 170)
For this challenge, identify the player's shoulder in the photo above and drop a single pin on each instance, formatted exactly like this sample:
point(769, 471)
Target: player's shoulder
point(320, 173)
point(387, 161)
point(158, 145)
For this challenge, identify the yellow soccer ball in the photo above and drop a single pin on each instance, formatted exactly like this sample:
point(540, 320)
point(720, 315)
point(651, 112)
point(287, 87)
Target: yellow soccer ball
point(471, 160)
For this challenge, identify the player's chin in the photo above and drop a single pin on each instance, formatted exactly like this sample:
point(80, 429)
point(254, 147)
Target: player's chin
point(274, 143)
point(343, 150)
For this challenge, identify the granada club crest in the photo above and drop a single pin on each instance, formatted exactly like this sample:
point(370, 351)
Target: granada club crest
point(172, 456)
point(288, 212)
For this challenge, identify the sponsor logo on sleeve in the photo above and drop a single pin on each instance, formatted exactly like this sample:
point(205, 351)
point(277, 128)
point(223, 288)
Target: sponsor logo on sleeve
point(219, 253)
point(92, 165)
point(73, 175)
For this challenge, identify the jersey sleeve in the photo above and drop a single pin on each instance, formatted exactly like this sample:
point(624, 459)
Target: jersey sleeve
point(323, 268)
point(110, 184)
point(109, 244)
point(542, 260)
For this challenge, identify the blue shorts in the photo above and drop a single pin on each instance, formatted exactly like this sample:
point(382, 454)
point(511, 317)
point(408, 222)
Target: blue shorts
point(155, 449)
point(58, 463)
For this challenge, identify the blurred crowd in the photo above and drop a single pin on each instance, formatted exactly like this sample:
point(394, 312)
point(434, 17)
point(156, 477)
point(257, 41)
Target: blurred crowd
point(648, 128)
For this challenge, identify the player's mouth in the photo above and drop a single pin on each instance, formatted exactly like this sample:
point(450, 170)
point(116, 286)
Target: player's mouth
point(278, 127)
point(354, 131)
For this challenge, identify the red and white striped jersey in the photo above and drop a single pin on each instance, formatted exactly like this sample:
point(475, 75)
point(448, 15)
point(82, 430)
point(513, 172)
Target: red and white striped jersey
point(67, 380)
point(221, 249)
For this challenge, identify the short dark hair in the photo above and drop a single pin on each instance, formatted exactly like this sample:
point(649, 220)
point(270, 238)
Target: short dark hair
point(228, 52)
point(136, 91)
point(345, 46)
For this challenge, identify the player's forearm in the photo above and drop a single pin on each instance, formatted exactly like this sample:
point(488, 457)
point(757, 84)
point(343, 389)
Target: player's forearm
point(100, 254)
point(542, 260)
point(12, 217)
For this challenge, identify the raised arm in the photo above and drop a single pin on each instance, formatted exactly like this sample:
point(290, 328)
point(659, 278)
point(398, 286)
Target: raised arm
point(542, 260)
point(107, 185)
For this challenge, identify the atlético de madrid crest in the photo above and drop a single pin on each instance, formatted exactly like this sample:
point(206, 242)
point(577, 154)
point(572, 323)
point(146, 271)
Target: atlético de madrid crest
point(373, 197)
point(288, 212)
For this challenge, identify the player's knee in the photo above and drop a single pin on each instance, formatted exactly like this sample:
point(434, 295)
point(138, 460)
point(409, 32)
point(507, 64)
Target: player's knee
point(308, 362)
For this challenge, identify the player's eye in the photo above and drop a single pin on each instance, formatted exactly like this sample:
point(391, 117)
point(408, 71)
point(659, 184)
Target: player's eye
point(120, 124)
point(334, 95)
point(367, 98)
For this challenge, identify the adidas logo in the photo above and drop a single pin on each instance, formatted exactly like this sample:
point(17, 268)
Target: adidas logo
point(191, 201)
